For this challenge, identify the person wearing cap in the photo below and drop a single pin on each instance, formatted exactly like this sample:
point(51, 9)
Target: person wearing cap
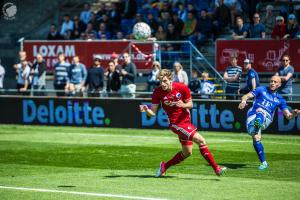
point(292, 27)
point(233, 77)
point(279, 30)
point(269, 20)
point(286, 73)
point(95, 78)
point(252, 78)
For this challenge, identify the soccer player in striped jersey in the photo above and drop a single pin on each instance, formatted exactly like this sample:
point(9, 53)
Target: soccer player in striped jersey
point(176, 100)
point(261, 114)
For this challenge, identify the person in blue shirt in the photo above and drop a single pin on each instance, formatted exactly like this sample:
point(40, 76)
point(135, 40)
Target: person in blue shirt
point(240, 31)
point(261, 114)
point(252, 79)
point(257, 29)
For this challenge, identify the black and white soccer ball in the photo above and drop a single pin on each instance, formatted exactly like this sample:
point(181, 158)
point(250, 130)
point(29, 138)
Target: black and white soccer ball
point(141, 31)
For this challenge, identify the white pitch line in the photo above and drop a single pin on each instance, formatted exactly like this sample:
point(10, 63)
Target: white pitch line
point(80, 193)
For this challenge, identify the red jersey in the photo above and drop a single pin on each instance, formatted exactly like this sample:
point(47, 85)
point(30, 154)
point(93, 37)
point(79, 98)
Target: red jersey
point(168, 101)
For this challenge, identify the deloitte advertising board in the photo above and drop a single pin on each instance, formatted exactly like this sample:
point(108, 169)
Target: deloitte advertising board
point(121, 113)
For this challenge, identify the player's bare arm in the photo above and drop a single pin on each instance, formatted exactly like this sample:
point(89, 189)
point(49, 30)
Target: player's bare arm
point(188, 104)
point(290, 115)
point(149, 111)
point(244, 100)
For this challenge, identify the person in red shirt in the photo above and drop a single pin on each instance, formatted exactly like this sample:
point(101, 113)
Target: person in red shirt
point(176, 100)
point(279, 30)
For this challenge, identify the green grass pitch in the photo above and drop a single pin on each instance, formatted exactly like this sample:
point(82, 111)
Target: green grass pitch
point(97, 163)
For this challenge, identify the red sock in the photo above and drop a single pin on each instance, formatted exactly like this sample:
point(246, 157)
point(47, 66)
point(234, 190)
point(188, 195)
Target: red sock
point(208, 156)
point(179, 157)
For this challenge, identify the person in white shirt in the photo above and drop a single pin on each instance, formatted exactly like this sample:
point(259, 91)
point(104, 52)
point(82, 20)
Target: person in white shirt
point(86, 14)
point(23, 70)
point(179, 75)
point(68, 24)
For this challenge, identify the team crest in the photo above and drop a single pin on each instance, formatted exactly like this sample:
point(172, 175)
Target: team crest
point(178, 95)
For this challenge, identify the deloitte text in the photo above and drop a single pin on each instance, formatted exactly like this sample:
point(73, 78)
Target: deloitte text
point(201, 116)
point(73, 113)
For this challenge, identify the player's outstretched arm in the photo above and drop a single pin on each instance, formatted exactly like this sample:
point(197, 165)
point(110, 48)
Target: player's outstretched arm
point(290, 115)
point(243, 103)
point(149, 111)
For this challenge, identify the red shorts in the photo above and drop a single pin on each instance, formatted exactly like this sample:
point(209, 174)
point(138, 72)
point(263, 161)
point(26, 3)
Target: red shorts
point(185, 132)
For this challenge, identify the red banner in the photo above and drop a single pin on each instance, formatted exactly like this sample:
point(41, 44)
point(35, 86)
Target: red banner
point(265, 55)
point(86, 50)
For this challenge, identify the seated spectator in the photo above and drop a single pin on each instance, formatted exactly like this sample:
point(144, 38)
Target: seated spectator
point(78, 24)
point(279, 30)
point(160, 34)
point(239, 31)
point(152, 77)
point(195, 83)
point(189, 26)
point(235, 8)
point(120, 36)
point(177, 22)
point(95, 78)
point(89, 31)
point(221, 16)
point(179, 75)
point(86, 14)
point(77, 77)
point(53, 33)
point(94, 21)
point(152, 22)
point(102, 30)
point(61, 76)
point(113, 78)
point(207, 86)
point(128, 9)
point(292, 27)
point(182, 12)
point(232, 75)
point(68, 24)
point(172, 35)
point(269, 20)
point(2, 75)
point(38, 73)
point(165, 19)
point(257, 29)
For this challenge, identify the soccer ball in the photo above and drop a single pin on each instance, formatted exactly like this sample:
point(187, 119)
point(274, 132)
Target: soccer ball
point(141, 31)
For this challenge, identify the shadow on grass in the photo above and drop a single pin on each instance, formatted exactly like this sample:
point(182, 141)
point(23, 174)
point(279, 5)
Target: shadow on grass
point(163, 177)
point(233, 165)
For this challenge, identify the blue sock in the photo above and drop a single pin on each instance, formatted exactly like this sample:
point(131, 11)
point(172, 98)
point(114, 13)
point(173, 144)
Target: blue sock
point(259, 148)
point(260, 117)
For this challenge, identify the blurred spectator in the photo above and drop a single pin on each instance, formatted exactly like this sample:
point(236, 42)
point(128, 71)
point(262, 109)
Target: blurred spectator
point(160, 34)
point(292, 27)
point(182, 12)
point(113, 78)
point(138, 18)
point(203, 29)
point(38, 72)
point(23, 71)
point(207, 86)
point(86, 14)
point(279, 30)
point(77, 77)
point(286, 73)
point(68, 24)
point(53, 33)
point(101, 11)
point(94, 21)
point(257, 29)
point(102, 31)
point(152, 22)
point(235, 8)
point(119, 35)
point(297, 9)
point(233, 77)
point(68, 35)
point(89, 31)
point(109, 25)
point(195, 83)
point(221, 16)
point(79, 25)
point(128, 8)
point(172, 35)
point(114, 14)
point(177, 22)
point(115, 58)
point(269, 20)
point(165, 19)
point(128, 74)
point(179, 75)
point(152, 77)
point(61, 77)
point(190, 8)
point(239, 31)
point(189, 25)
point(95, 78)
point(2, 75)
point(252, 78)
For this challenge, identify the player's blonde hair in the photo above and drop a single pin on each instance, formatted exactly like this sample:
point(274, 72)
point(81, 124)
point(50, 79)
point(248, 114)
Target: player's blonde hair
point(164, 73)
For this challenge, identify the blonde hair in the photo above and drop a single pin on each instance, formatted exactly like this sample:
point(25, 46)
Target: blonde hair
point(164, 73)
point(157, 64)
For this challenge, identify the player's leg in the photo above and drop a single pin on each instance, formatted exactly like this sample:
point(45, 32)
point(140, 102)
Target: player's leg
point(199, 139)
point(259, 148)
point(259, 119)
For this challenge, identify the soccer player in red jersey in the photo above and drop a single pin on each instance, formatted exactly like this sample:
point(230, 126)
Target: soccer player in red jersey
point(176, 100)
